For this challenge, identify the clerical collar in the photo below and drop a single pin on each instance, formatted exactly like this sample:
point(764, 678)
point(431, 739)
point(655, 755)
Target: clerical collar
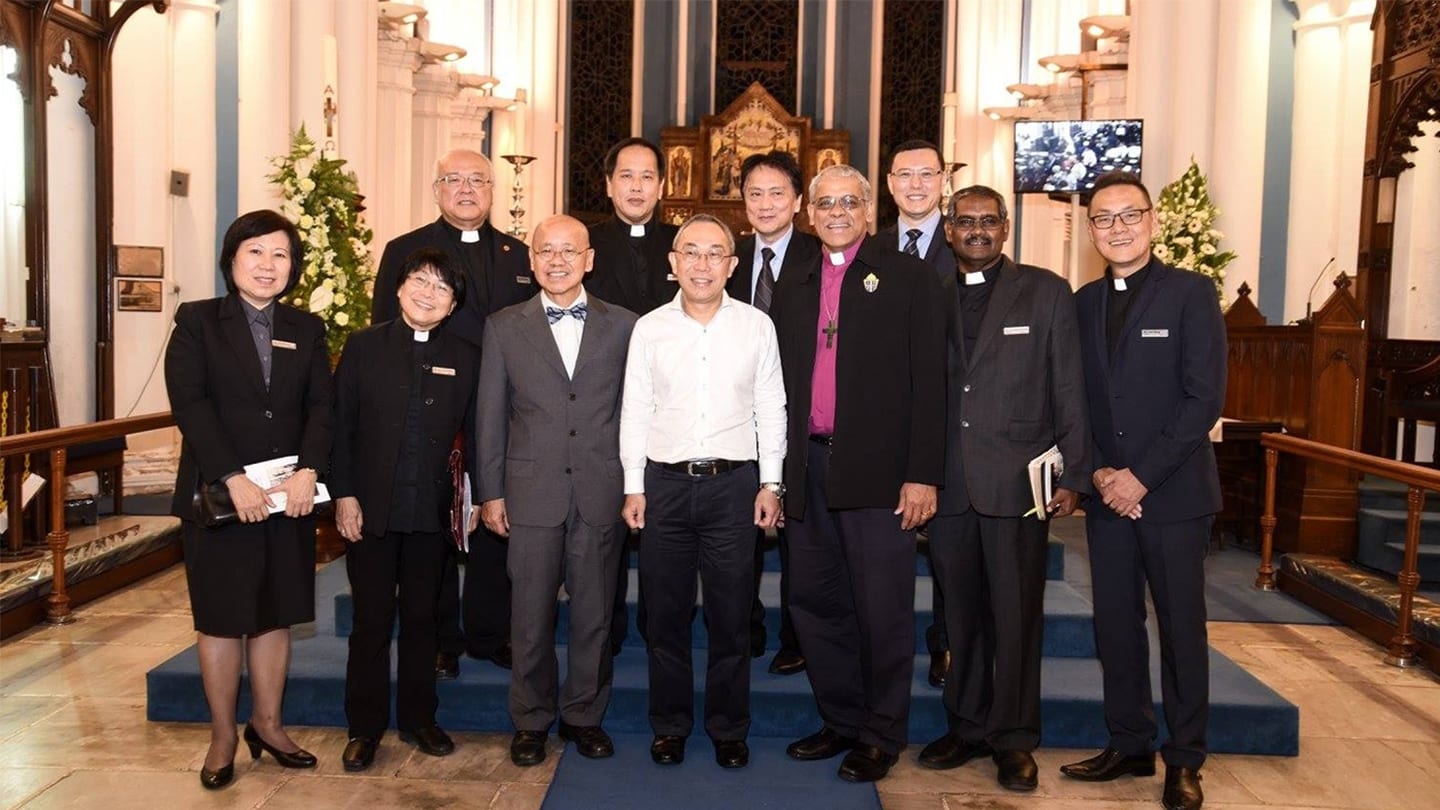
point(1130, 282)
point(467, 237)
point(633, 230)
point(984, 275)
point(422, 336)
point(843, 258)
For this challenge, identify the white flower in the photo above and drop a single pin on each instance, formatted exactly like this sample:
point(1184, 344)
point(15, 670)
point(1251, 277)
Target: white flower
point(307, 185)
point(1207, 249)
point(306, 223)
point(1220, 273)
point(321, 298)
point(340, 301)
point(341, 319)
point(1162, 251)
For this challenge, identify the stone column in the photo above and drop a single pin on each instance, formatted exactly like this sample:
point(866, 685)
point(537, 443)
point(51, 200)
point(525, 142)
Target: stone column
point(263, 111)
point(313, 67)
point(388, 203)
point(435, 90)
point(355, 35)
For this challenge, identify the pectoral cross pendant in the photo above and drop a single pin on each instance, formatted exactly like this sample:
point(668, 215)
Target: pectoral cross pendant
point(830, 330)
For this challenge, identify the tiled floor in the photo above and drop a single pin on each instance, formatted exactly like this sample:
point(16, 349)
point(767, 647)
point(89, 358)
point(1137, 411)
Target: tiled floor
point(73, 734)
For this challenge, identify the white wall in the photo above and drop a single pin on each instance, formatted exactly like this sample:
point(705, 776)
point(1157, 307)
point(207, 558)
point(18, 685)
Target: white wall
point(71, 274)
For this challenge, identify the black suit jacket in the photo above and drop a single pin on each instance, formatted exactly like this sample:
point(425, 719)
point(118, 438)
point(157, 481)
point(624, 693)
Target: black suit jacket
point(372, 393)
point(617, 277)
point(1020, 391)
point(226, 415)
point(1153, 403)
point(504, 280)
point(939, 256)
point(804, 250)
point(889, 378)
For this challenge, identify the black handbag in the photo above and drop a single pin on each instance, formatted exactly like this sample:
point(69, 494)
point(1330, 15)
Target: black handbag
point(213, 507)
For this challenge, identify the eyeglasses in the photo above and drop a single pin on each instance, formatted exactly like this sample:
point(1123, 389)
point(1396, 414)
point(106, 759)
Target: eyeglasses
point(847, 203)
point(714, 258)
point(435, 287)
point(566, 254)
point(988, 222)
point(455, 180)
point(1105, 222)
point(923, 175)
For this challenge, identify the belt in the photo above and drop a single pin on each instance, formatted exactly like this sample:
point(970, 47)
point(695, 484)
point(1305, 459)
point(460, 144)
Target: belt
point(820, 438)
point(713, 466)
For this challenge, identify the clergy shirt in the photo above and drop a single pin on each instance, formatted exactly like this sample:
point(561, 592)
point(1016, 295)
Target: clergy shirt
point(567, 331)
point(1117, 307)
point(822, 377)
point(702, 391)
point(973, 300)
point(780, 246)
point(927, 233)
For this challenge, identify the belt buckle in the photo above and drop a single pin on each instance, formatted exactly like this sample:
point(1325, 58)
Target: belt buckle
point(697, 468)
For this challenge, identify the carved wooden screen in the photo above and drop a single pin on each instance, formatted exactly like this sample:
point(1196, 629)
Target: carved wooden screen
point(756, 41)
point(911, 73)
point(704, 162)
point(602, 34)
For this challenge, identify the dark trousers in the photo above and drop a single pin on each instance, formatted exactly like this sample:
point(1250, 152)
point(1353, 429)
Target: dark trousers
point(486, 602)
point(703, 524)
point(937, 638)
point(620, 611)
point(853, 601)
point(757, 608)
point(377, 565)
point(1125, 555)
point(994, 570)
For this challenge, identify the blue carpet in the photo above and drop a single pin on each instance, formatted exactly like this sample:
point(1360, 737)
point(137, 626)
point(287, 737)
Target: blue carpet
point(1231, 595)
point(772, 780)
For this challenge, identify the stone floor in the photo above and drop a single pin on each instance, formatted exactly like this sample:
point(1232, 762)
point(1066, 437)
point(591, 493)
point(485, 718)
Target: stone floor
point(73, 734)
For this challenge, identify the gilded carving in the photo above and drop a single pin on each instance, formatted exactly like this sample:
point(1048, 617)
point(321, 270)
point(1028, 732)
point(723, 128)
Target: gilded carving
point(754, 131)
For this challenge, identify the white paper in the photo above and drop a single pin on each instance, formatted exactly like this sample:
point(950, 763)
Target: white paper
point(273, 473)
point(467, 507)
point(1045, 470)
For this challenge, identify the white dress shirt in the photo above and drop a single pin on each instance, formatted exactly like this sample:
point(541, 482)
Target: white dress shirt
point(927, 233)
point(757, 264)
point(702, 391)
point(567, 331)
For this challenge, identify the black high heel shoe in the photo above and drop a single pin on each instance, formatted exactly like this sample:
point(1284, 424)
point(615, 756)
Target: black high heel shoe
point(299, 758)
point(214, 780)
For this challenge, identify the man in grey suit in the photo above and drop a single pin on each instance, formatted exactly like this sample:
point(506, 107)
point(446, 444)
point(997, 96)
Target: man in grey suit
point(550, 480)
point(1016, 388)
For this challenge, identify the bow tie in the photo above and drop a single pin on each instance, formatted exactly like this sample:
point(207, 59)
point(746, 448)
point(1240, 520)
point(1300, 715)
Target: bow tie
point(554, 314)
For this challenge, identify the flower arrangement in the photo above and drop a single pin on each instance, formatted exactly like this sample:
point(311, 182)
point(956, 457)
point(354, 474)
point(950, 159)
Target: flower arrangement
point(323, 201)
point(1188, 238)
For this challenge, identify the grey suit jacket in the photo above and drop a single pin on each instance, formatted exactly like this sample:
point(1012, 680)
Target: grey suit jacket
point(1019, 392)
point(542, 435)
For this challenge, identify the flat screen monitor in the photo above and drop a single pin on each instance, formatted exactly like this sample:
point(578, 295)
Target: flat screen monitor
point(1068, 156)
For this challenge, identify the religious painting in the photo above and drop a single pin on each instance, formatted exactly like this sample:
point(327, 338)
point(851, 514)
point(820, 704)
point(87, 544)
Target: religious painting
point(145, 262)
point(138, 295)
point(754, 131)
point(826, 158)
point(677, 170)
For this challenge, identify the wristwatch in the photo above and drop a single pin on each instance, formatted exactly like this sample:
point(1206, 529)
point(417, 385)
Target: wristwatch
point(778, 490)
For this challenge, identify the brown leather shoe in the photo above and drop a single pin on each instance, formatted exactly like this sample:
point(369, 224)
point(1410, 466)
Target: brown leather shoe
point(1182, 789)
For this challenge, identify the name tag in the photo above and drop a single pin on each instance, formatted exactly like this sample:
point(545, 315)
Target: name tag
point(283, 344)
point(1154, 333)
point(442, 371)
point(671, 277)
point(522, 279)
point(1017, 330)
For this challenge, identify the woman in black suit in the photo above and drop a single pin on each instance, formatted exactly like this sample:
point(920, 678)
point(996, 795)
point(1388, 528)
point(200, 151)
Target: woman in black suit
point(403, 389)
point(249, 380)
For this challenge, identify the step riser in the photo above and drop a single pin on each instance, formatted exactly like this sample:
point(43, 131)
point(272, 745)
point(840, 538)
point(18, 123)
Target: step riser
point(1380, 544)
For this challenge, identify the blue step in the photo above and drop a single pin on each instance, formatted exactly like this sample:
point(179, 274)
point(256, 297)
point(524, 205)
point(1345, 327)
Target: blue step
point(1380, 542)
point(1382, 493)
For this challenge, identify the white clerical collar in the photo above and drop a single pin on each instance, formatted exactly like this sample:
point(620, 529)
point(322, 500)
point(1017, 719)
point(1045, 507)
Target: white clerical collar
point(469, 237)
point(1119, 284)
point(546, 302)
point(637, 231)
point(971, 279)
point(422, 336)
point(837, 257)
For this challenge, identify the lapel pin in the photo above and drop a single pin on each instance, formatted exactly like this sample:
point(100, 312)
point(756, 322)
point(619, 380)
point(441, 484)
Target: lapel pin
point(871, 283)
point(505, 248)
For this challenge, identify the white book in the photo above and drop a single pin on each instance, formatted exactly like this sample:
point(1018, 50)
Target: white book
point(1045, 471)
point(273, 472)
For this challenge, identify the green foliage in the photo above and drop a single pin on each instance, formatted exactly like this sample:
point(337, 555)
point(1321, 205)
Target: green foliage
point(1187, 236)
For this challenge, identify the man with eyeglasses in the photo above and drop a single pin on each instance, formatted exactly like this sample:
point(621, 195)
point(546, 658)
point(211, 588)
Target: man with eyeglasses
point(1016, 389)
point(497, 276)
point(702, 441)
point(915, 179)
point(770, 184)
point(632, 269)
point(548, 428)
point(862, 340)
point(1153, 345)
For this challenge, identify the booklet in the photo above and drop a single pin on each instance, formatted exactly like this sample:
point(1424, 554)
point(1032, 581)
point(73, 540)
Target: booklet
point(1045, 471)
point(273, 473)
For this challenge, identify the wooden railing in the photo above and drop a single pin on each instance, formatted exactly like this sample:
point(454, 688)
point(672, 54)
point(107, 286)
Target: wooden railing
point(1401, 651)
point(57, 442)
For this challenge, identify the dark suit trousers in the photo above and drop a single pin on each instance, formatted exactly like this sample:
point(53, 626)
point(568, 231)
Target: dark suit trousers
point(993, 569)
point(704, 524)
point(581, 556)
point(1124, 556)
point(620, 611)
point(486, 602)
point(377, 565)
point(853, 601)
point(757, 608)
point(937, 636)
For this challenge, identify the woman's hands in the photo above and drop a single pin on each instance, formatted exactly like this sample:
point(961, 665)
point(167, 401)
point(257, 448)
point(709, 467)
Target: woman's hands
point(252, 505)
point(299, 491)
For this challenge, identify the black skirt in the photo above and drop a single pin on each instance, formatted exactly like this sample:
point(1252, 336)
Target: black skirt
point(247, 578)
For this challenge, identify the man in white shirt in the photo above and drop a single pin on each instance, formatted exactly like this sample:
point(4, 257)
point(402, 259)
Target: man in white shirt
point(702, 442)
point(547, 440)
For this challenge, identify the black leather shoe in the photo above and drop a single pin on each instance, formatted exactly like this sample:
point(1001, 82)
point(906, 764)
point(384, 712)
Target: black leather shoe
point(949, 752)
point(431, 739)
point(214, 780)
point(359, 753)
point(528, 748)
point(866, 763)
point(1110, 764)
point(591, 742)
point(939, 665)
point(668, 749)
point(732, 753)
point(1182, 789)
point(299, 758)
point(787, 662)
point(1016, 770)
point(447, 666)
point(823, 744)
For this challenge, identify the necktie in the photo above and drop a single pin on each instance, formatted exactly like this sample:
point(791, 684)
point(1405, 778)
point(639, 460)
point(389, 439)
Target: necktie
point(554, 314)
point(913, 246)
point(260, 332)
point(765, 285)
